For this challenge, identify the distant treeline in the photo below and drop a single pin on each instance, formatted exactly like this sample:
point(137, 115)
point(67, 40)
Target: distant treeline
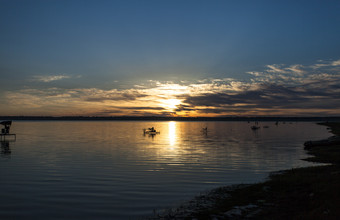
point(156, 118)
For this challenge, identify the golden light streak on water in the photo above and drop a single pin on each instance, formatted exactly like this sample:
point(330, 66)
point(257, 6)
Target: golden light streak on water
point(172, 134)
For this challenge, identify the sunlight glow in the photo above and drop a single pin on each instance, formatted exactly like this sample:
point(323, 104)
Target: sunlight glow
point(172, 133)
point(171, 103)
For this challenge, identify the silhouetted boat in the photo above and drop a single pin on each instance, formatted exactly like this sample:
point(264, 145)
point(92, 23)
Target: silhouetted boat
point(254, 127)
point(5, 131)
point(150, 131)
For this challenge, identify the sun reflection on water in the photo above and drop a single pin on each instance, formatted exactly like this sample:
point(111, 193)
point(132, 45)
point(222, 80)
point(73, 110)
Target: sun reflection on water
point(172, 134)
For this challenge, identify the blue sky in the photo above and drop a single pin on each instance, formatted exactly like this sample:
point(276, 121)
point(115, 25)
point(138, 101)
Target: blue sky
point(69, 57)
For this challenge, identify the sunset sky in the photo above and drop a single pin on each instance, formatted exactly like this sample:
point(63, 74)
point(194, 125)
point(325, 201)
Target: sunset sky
point(169, 58)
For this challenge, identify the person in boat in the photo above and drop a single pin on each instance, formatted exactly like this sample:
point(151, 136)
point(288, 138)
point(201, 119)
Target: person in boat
point(7, 125)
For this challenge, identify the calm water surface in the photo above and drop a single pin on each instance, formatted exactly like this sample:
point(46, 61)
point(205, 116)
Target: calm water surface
point(111, 170)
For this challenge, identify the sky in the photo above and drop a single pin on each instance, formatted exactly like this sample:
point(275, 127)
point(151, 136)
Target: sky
point(184, 58)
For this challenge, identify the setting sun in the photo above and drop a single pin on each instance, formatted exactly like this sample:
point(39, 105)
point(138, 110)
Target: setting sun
point(171, 103)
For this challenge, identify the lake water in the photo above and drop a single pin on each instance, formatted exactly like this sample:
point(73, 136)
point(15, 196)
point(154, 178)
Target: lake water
point(111, 170)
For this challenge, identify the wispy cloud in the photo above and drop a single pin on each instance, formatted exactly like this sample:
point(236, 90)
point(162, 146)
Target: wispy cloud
point(322, 63)
point(49, 78)
point(335, 63)
point(297, 69)
point(275, 68)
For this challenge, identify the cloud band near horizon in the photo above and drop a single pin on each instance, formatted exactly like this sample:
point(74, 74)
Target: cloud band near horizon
point(278, 90)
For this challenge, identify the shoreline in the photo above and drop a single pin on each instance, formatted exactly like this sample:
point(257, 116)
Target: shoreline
point(298, 193)
point(160, 118)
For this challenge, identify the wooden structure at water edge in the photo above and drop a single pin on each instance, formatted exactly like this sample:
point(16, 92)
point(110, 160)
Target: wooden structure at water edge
point(5, 131)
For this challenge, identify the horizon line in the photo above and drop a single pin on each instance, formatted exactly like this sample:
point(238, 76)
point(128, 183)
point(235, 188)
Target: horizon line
point(176, 118)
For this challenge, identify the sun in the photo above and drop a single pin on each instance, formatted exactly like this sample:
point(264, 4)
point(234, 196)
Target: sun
point(171, 103)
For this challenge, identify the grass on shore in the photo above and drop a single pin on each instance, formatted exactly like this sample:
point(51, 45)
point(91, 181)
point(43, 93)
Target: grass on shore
point(302, 193)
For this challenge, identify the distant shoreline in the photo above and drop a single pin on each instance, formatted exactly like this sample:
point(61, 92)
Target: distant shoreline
point(157, 118)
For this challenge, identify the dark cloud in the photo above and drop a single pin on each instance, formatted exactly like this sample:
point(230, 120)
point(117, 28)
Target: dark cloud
point(182, 107)
point(142, 108)
point(116, 97)
point(215, 110)
point(266, 96)
point(152, 114)
point(109, 112)
point(133, 110)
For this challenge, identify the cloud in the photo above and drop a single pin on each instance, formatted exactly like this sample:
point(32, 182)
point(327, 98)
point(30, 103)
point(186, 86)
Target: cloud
point(335, 63)
point(114, 95)
point(275, 68)
point(267, 96)
point(49, 78)
point(323, 63)
point(276, 90)
point(297, 69)
point(254, 73)
point(90, 101)
point(182, 107)
point(138, 111)
point(143, 108)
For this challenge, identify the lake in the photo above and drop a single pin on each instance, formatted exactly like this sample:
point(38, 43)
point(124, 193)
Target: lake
point(112, 170)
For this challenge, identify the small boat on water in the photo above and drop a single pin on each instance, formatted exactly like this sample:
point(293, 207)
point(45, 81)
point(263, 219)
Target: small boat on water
point(151, 130)
point(5, 131)
point(254, 127)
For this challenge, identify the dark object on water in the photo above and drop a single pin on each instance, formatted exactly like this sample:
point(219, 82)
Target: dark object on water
point(254, 127)
point(6, 129)
point(334, 140)
point(7, 125)
point(151, 131)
